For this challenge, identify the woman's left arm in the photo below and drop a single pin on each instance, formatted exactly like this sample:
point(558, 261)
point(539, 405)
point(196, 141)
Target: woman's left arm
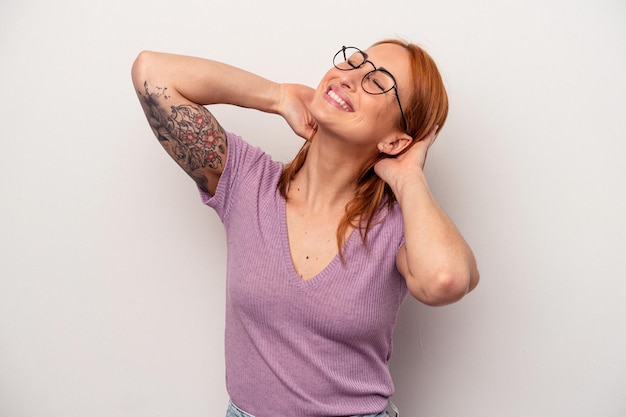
point(437, 263)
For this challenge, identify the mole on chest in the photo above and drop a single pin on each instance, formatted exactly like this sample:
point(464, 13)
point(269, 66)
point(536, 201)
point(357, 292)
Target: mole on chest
point(311, 253)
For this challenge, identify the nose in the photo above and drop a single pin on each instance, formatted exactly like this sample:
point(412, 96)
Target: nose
point(351, 80)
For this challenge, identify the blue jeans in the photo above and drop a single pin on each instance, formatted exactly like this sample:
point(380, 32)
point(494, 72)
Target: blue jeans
point(234, 411)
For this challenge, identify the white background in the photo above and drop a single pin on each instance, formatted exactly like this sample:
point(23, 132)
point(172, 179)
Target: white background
point(112, 272)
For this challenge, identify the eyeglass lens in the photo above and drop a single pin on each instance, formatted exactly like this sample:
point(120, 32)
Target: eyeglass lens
point(375, 81)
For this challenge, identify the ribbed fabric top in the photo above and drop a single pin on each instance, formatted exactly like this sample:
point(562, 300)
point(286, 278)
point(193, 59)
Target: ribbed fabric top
point(298, 348)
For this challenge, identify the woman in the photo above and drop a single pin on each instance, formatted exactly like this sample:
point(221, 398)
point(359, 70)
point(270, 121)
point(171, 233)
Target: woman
point(321, 252)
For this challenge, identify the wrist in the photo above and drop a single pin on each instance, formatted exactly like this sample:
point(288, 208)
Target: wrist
point(409, 184)
point(278, 95)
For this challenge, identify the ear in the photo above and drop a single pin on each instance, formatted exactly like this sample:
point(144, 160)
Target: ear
point(395, 144)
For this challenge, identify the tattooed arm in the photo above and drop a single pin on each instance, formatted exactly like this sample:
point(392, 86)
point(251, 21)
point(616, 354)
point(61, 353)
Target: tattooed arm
point(173, 91)
point(189, 134)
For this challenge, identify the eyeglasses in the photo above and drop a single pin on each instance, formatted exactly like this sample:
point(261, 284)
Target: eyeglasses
point(377, 81)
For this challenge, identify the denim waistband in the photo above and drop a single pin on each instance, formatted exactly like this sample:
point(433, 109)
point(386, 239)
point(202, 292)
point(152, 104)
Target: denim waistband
point(234, 411)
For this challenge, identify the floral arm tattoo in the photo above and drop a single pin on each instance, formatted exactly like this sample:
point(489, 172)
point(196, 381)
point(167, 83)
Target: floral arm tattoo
point(189, 133)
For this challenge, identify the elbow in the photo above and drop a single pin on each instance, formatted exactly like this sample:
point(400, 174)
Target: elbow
point(140, 68)
point(445, 287)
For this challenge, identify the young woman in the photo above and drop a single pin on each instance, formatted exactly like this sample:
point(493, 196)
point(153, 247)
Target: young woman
point(322, 251)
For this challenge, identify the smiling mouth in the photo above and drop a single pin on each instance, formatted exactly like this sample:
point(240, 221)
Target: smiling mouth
point(339, 100)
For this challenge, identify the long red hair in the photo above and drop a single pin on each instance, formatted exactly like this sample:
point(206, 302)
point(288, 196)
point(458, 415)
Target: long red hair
point(427, 107)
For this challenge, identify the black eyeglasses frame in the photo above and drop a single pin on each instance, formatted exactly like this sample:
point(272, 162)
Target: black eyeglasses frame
point(381, 69)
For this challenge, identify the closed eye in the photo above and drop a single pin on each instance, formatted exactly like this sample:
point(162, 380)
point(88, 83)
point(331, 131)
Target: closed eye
point(373, 79)
point(353, 64)
point(379, 85)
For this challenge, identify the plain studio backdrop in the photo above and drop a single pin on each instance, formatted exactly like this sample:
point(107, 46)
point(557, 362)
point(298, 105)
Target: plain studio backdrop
point(112, 271)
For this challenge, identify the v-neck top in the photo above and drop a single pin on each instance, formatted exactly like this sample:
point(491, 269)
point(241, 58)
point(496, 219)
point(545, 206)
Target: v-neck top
point(316, 347)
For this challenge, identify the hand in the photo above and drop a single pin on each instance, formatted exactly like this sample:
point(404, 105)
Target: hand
point(294, 108)
point(392, 169)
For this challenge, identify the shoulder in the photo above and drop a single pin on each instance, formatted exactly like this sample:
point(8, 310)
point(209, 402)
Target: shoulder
point(247, 159)
point(248, 170)
point(386, 231)
point(389, 217)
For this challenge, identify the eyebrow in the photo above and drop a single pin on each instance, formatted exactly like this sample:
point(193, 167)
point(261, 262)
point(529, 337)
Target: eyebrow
point(367, 58)
point(385, 70)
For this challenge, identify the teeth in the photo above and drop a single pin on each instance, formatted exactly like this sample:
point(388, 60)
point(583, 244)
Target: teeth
point(339, 100)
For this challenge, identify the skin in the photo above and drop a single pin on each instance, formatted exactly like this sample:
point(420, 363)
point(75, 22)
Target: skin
point(189, 133)
point(436, 262)
point(320, 191)
point(371, 121)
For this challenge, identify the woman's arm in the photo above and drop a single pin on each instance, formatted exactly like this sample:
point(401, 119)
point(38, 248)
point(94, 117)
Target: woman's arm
point(173, 91)
point(438, 265)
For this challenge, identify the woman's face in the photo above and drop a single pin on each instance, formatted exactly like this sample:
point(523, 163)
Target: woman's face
point(344, 109)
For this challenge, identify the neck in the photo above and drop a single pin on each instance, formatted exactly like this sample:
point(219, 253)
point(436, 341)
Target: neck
point(326, 181)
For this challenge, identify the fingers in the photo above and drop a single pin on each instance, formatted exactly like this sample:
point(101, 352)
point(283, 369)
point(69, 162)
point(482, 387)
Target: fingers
point(428, 141)
point(311, 132)
point(432, 135)
point(305, 130)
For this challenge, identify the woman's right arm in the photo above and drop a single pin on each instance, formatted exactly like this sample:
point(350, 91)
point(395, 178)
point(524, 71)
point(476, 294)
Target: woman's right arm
point(173, 91)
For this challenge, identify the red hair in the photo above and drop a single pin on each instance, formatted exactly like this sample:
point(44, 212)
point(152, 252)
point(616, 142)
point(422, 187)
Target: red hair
point(427, 107)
